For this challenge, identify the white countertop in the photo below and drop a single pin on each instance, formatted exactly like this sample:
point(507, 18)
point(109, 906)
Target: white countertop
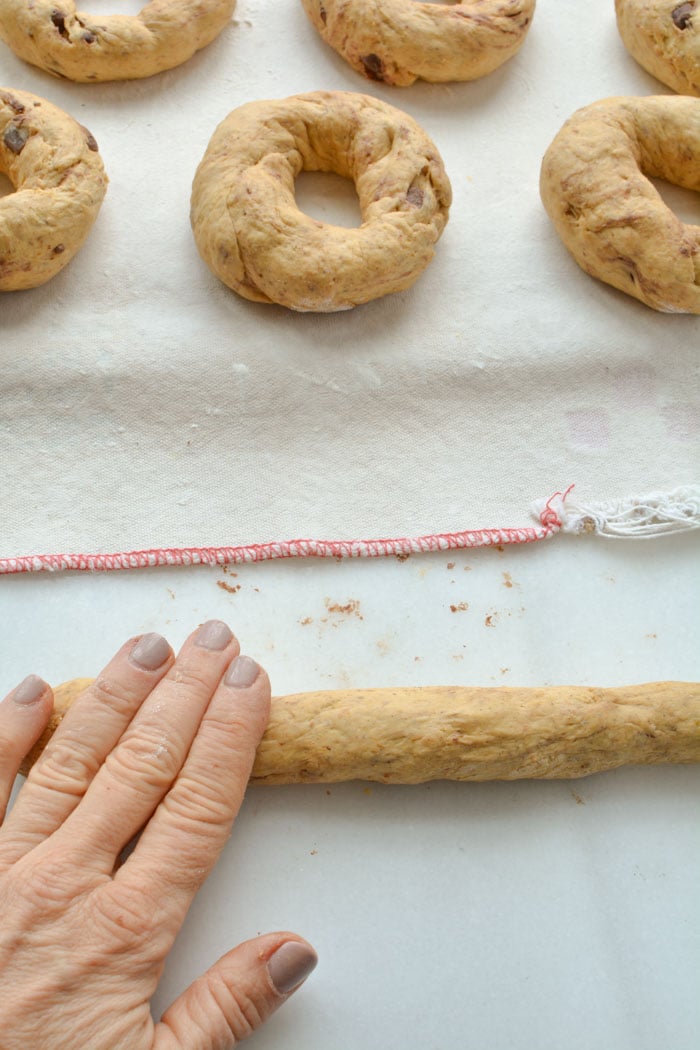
point(508, 915)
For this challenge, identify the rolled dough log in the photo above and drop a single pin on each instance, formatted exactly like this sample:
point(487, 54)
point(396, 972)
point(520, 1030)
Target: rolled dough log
point(411, 735)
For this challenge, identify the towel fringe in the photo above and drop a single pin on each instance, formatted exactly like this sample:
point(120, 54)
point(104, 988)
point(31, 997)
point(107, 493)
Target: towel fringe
point(634, 517)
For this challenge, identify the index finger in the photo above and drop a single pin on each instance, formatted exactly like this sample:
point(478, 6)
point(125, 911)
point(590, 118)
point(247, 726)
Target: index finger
point(183, 840)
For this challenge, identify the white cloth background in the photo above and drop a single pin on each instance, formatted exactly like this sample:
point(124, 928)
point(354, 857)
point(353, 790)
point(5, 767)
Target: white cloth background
point(144, 406)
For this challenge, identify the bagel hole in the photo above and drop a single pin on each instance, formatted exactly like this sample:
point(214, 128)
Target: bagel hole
point(328, 197)
point(5, 185)
point(685, 204)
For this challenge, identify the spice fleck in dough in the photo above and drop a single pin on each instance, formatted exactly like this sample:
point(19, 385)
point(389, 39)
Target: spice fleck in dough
point(401, 41)
point(55, 36)
point(664, 37)
point(59, 180)
point(416, 734)
point(595, 185)
point(253, 236)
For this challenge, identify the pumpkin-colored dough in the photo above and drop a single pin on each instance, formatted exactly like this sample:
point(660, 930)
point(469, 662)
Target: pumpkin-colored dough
point(55, 167)
point(253, 236)
point(595, 185)
point(400, 41)
point(55, 36)
point(412, 735)
point(664, 37)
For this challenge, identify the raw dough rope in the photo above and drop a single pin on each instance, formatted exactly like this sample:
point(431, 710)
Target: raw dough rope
point(415, 734)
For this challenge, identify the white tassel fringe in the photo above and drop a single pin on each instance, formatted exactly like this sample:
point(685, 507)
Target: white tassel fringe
point(636, 517)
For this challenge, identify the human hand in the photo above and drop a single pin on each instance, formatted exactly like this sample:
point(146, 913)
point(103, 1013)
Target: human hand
point(161, 745)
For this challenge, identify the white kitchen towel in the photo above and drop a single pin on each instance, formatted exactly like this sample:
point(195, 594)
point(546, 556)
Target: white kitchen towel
point(148, 414)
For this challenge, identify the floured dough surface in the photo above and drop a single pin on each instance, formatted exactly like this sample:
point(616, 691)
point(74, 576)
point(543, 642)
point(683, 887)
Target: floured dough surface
point(664, 37)
point(57, 37)
point(414, 734)
point(595, 185)
point(411, 735)
point(253, 236)
point(59, 179)
point(401, 41)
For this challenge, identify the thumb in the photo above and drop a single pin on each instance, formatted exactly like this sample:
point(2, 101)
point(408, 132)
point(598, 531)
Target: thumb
point(236, 995)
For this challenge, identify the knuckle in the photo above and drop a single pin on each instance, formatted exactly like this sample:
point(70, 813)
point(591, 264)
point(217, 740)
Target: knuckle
point(123, 914)
point(243, 1013)
point(225, 735)
point(8, 747)
point(193, 677)
point(149, 756)
point(48, 883)
point(192, 801)
point(228, 743)
point(67, 765)
point(114, 694)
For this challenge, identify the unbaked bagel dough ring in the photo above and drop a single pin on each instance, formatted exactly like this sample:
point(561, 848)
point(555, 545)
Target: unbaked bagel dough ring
point(595, 186)
point(664, 37)
point(55, 36)
point(400, 41)
point(253, 236)
point(59, 180)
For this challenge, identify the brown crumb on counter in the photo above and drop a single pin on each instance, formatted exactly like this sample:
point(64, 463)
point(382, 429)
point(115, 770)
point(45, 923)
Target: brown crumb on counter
point(350, 608)
point(228, 587)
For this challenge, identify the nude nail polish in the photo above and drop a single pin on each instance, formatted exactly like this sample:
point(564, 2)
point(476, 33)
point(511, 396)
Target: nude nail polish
point(30, 690)
point(150, 652)
point(242, 672)
point(214, 635)
point(290, 965)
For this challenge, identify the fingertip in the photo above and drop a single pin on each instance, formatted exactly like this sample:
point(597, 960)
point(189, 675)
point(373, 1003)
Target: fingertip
point(258, 977)
point(242, 672)
point(214, 635)
point(150, 652)
point(248, 681)
point(30, 692)
point(249, 685)
point(30, 710)
point(290, 964)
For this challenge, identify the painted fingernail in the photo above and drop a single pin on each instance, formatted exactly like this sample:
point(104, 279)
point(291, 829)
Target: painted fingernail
point(290, 965)
point(242, 672)
point(150, 652)
point(30, 690)
point(213, 635)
